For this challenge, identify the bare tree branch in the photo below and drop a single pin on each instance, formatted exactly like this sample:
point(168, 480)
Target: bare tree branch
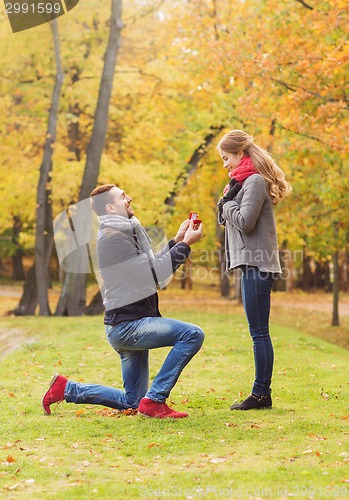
point(190, 168)
point(313, 138)
point(211, 12)
point(293, 88)
point(307, 6)
point(146, 13)
point(140, 72)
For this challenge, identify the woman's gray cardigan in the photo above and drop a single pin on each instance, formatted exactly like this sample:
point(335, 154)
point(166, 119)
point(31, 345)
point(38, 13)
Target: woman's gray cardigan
point(250, 229)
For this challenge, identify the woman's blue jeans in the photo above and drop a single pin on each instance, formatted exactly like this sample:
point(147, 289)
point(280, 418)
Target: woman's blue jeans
point(256, 288)
point(132, 340)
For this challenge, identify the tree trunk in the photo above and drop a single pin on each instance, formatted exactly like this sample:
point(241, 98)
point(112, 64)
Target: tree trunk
point(95, 307)
point(327, 278)
point(344, 281)
point(44, 232)
point(186, 280)
point(72, 301)
point(223, 274)
point(224, 277)
point(225, 285)
point(289, 271)
point(335, 310)
point(237, 284)
point(34, 293)
point(284, 282)
point(17, 266)
point(29, 300)
point(280, 283)
point(17, 262)
point(74, 133)
point(307, 274)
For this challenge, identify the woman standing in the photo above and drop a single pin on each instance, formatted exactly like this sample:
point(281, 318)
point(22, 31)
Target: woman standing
point(246, 210)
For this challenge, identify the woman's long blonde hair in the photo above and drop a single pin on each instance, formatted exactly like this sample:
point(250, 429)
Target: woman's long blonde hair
point(238, 140)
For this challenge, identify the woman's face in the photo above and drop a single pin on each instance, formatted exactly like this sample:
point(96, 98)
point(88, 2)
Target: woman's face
point(230, 160)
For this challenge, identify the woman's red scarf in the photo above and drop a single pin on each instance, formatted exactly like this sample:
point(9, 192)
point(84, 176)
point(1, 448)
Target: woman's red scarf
point(244, 169)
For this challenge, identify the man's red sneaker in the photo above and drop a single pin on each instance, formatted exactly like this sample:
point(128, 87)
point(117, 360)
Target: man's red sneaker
point(55, 394)
point(150, 408)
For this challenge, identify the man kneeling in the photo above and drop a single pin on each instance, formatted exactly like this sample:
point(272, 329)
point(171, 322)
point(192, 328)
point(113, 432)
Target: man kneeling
point(131, 274)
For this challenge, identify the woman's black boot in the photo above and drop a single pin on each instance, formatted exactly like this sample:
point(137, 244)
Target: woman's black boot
point(254, 402)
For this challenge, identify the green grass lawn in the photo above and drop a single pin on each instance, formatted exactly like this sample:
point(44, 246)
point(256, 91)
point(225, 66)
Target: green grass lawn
point(300, 448)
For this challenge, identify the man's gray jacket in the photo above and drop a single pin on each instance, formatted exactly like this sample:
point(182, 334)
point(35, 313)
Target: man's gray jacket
point(129, 279)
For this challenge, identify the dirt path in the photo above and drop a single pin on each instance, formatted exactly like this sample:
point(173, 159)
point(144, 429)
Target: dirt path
point(312, 302)
point(13, 337)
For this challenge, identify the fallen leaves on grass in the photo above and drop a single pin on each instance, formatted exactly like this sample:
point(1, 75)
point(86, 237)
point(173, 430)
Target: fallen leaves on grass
point(7, 446)
point(309, 451)
point(110, 412)
point(108, 438)
point(11, 488)
point(218, 460)
point(130, 411)
point(325, 396)
point(151, 445)
point(316, 437)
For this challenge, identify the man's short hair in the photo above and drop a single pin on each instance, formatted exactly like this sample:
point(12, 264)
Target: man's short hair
point(100, 197)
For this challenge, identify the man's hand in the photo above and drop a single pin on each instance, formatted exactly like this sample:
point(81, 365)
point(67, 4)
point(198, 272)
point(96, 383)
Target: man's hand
point(181, 231)
point(193, 233)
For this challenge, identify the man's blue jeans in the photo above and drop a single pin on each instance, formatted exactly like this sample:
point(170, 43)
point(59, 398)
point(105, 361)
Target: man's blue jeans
point(132, 340)
point(256, 288)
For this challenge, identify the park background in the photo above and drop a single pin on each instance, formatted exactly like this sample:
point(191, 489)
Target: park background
point(139, 93)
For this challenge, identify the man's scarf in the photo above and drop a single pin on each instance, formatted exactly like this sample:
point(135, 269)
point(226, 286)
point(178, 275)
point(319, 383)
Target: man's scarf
point(140, 235)
point(125, 224)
